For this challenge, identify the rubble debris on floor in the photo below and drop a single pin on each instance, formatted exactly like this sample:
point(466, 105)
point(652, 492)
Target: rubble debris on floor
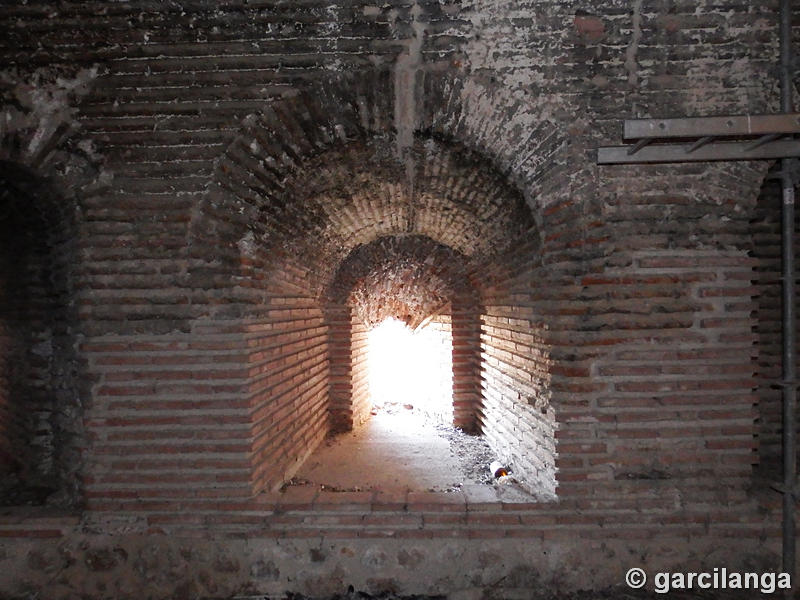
point(404, 450)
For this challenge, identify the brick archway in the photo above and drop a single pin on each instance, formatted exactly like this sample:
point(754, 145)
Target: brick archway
point(293, 198)
point(410, 278)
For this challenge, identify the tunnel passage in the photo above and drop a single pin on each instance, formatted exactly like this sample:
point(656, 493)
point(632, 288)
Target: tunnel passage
point(412, 369)
point(39, 406)
point(422, 284)
point(298, 209)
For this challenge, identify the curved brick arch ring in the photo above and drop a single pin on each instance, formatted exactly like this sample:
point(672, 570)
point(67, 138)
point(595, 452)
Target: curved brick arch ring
point(317, 174)
point(308, 182)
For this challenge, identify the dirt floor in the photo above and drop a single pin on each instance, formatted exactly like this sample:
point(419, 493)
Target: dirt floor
point(401, 449)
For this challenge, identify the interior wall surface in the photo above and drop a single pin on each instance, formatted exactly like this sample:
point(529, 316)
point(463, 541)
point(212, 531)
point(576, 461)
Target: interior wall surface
point(226, 158)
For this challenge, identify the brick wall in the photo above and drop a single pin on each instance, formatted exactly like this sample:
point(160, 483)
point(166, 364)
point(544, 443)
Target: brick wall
point(340, 331)
point(465, 332)
point(349, 403)
point(169, 422)
point(288, 388)
point(361, 401)
point(226, 160)
point(517, 370)
point(455, 543)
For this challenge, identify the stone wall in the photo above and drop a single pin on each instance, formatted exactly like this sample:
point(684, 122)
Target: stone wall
point(463, 545)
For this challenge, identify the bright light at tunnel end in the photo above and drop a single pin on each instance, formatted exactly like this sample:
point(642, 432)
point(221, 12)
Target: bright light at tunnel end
point(411, 368)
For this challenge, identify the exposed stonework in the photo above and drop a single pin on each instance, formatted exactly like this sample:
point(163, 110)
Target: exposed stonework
point(507, 553)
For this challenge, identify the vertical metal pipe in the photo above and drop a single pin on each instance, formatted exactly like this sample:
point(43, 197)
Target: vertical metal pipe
point(787, 103)
point(789, 377)
point(789, 317)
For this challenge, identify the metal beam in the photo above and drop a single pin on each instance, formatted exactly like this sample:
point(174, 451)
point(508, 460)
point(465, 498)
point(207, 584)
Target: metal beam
point(663, 153)
point(789, 316)
point(696, 127)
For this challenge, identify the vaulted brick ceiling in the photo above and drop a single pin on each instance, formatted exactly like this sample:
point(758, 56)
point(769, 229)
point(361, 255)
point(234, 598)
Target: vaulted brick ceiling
point(409, 278)
point(449, 201)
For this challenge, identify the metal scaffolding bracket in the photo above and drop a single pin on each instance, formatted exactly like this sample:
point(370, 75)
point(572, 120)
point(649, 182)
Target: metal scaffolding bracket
point(781, 488)
point(789, 168)
point(696, 152)
point(735, 137)
point(724, 126)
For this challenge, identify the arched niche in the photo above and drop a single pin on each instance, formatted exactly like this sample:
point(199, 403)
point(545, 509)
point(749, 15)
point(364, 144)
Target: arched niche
point(41, 432)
